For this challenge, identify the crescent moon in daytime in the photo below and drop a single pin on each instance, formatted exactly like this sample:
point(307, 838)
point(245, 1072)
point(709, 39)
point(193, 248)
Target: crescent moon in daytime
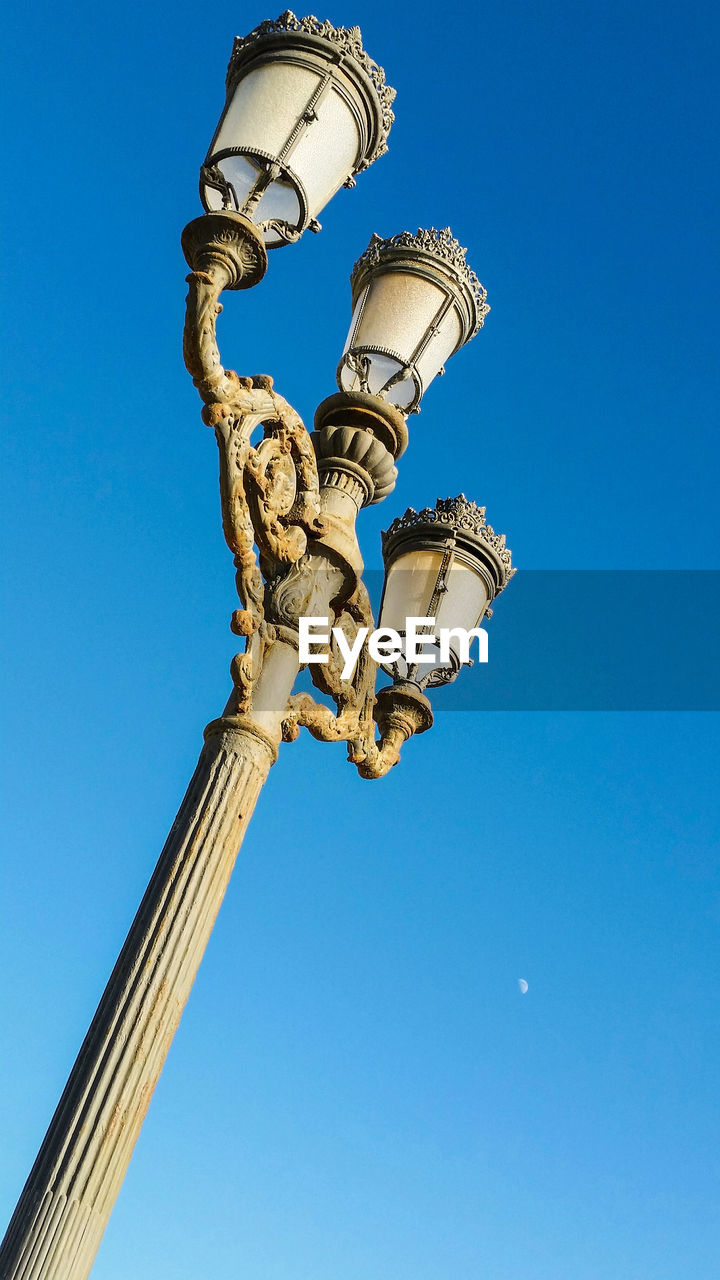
point(522, 985)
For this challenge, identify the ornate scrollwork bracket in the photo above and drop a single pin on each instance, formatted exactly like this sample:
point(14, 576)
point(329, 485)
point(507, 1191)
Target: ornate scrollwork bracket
point(270, 492)
point(271, 500)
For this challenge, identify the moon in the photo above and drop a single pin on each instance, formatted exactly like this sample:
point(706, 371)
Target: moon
point(522, 985)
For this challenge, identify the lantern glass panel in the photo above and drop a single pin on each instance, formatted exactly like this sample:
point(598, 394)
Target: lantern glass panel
point(279, 203)
point(266, 106)
point(267, 110)
point(440, 347)
point(380, 371)
point(394, 313)
point(327, 151)
point(465, 600)
point(242, 175)
point(398, 309)
point(409, 590)
point(374, 375)
point(409, 587)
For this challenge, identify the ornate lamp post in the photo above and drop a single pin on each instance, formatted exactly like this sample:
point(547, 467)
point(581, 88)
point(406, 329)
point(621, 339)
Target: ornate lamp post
point(306, 110)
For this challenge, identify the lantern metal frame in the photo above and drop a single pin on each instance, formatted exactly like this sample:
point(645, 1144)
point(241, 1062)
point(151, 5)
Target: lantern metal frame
point(338, 56)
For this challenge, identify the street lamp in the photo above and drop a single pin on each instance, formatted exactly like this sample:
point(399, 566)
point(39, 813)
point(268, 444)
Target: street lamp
point(306, 109)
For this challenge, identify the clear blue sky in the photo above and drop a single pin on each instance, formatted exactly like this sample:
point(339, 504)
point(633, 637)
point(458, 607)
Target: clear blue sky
point(358, 1088)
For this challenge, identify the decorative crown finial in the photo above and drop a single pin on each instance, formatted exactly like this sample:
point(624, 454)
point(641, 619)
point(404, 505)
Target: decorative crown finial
point(456, 515)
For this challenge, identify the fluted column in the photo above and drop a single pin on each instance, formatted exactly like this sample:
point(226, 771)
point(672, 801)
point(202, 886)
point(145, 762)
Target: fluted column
point(64, 1208)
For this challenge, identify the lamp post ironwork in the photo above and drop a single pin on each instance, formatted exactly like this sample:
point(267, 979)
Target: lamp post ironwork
point(306, 110)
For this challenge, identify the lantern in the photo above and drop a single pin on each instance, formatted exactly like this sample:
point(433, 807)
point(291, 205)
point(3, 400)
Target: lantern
point(415, 302)
point(306, 110)
point(445, 563)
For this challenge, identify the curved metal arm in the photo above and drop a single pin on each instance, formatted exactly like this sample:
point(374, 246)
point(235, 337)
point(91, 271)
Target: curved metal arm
point(373, 759)
point(400, 710)
point(200, 348)
point(270, 494)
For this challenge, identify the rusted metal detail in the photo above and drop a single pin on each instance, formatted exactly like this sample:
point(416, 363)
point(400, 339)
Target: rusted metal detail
point(399, 710)
point(288, 507)
point(282, 533)
point(289, 502)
